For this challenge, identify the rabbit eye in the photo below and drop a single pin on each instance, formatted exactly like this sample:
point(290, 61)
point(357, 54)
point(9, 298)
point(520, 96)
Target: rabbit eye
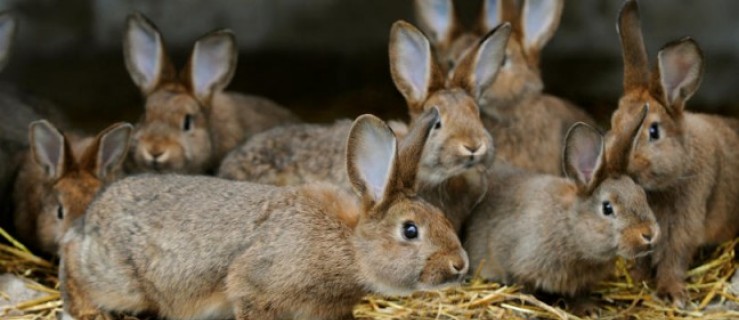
point(60, 212)
point(187, 124)
point(437, 125)
point(607, 208)
point(410, 230)
point(654, 131)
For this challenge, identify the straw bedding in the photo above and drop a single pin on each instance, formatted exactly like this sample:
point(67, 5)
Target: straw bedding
point(710, 287)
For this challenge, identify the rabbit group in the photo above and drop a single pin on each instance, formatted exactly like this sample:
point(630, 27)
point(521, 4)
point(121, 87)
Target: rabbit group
point(491, 176)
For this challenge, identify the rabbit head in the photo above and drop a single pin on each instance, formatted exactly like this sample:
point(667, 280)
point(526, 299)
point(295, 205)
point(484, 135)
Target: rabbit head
point(532, 27)
point(659, 147)
point(459, 140)
point(174, 134)
point(404, 243)
point(612, 204)
point(8, 29)
point(71, 176)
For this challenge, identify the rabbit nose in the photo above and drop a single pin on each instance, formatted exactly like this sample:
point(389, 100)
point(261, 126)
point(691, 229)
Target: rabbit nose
point(650, 236)
point(473, 150)
point(458, 264)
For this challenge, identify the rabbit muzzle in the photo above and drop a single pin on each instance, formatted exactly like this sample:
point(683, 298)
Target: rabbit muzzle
point(445, 268)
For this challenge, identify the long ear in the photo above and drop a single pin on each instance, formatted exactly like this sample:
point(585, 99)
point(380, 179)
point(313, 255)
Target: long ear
point(108, 150)
point(437, 19)
point(584, 155)
point(412, 145)
point(619, 151)
point(636, 68)
point(540, 20)
point(8, 27)
point(495, 12)
point(680, 66)
point(146, 58)
point(371, 159)
point(48, 148)
point(412, 64)
point(478, 69)
point(212, 63)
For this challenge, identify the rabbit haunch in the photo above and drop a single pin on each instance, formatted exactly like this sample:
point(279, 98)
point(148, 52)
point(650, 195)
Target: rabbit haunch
point(191, 246)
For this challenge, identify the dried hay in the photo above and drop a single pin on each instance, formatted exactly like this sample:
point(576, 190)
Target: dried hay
point(709, 286)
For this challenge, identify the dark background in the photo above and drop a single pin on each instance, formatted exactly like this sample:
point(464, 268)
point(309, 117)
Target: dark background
point(327, 59)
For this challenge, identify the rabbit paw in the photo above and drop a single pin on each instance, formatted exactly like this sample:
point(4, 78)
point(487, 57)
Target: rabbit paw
point(673, 293)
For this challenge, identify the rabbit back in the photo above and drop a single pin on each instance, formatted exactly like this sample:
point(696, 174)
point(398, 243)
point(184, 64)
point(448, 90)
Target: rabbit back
point(292, 155)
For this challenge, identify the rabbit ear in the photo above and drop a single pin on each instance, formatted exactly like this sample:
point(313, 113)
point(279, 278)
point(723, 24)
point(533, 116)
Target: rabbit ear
point(619, 151)
point(584, 155)
point(478, 69)
point(412, 64)
point(540, 19)
point(372, 159)
point(143, 49)
point(8, 26)
point(636, 68)
point(411, 147)
point(108, 150)
point(48, 148)
point(437, 19)
point(495, 12)
point(680, 66)
point(212, 64)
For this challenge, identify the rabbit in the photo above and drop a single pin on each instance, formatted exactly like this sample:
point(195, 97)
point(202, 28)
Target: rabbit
point(60, 175)
point(194, 247)
point(687, 162)
point(190, 123)
point(458, 150)
point(561, 235)
point(17, 110)
point(528, 126)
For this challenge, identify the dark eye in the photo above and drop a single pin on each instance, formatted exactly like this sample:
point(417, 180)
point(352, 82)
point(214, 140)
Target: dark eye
point(607, 208)
point(654, 131)
point(187, 123)
point(437, 125)
point(60, 212)
point(410, 230)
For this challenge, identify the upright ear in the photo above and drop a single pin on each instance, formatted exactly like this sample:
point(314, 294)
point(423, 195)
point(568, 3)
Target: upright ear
point(584, 155)
point(143, 49)
point(636, 68)
point(478, 69)
point(540, 19)
point(108, 150)
point(624, 138)
point(495, 12)
point(412, 64)
point(412, 146)
point(8, 27)
point(437, 19)
point(371, 159)
point(212, 63)
point(47, 148)
point(680, 66)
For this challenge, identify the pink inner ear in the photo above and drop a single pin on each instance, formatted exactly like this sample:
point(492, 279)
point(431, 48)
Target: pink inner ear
point(586, 168)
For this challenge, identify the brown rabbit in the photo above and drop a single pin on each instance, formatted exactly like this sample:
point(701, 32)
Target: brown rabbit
point(687, 162)
point(190, 123)
point(456, 154)
point(528, 126)
point(193, 247)
point(563, 235)
point(60, 176)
